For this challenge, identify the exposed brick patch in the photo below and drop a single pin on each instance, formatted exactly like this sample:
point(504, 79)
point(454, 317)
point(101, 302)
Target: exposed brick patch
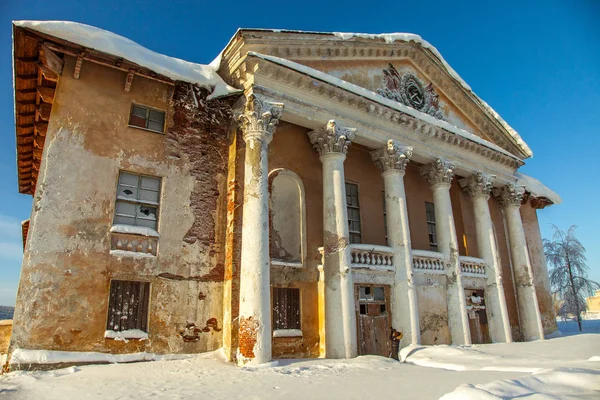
point(247, 337)
point(199, 133)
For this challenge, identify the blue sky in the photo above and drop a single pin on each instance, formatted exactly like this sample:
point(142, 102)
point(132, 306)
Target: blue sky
point(536, 63)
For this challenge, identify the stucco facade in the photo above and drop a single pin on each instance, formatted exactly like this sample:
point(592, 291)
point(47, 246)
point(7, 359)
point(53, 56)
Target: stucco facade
point(253, 199)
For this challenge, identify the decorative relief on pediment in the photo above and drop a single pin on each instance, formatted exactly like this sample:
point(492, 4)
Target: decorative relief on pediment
point(409, 90)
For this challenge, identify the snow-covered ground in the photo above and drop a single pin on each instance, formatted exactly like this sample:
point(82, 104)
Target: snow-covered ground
point(566, 368)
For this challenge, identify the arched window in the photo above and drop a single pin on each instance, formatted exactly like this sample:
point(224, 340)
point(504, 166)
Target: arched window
point(287, 222)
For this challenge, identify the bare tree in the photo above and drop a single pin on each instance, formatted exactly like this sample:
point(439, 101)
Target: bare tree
point(568, 273)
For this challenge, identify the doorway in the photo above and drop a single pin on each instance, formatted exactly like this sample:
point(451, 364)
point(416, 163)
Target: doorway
point(478, 321)
point(373, 319)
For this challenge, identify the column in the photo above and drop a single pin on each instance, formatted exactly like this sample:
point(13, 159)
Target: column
point(257, 121)
point(478, 187)
point(510, 197)
point(331, 142)
point(439, 176)
point(392, 161)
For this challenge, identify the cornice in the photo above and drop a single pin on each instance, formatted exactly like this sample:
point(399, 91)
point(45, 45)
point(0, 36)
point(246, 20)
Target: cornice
point(334, 94)
point(422, 59)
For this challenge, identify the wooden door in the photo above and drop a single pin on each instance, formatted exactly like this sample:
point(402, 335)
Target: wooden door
point(373, 319)
point(478, 322)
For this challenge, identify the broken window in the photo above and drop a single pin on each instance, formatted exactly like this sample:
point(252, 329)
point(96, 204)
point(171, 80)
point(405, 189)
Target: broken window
point(128, 306)
point(286, 308)
point(430, 215)
point(147, 118)
point(137, 200)
point(353, 212)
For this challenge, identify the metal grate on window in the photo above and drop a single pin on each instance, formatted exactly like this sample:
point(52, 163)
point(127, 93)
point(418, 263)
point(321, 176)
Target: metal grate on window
point(430, 216)
point(353, 208)
point(128, 306)
point(147, 118)
point(286, 308)
point(137, 200)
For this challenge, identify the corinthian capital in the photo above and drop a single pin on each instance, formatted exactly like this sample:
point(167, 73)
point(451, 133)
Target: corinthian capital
point(478, 184)
point(259, 118)
point(509, 195)
point(392, 157)
point(438, 172)
point(331, 138)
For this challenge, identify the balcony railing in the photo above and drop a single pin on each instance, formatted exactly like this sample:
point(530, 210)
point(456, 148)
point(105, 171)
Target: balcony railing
point(471, 266)
point(372, 257)
point(428, 262)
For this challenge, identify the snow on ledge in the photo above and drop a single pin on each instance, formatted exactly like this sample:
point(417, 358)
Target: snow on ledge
point(280, 263)
point(287, 333)
point(537, 188)
point(119, 46)
point(382, 100)
point(25, 356)
point(134, 230)
point(126, 334)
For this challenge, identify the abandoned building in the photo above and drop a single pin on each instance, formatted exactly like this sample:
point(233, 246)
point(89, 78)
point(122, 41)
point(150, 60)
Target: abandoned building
point(304, 195)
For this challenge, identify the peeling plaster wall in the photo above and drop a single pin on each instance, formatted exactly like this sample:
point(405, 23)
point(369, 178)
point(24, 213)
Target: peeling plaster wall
point(64, 288)
point(433, 309)
point(291, 149)
point(540, 269)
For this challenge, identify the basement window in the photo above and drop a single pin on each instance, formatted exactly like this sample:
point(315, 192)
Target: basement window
point(286, 310)
point(147, 118)
point(137, 201)
point(128, 310)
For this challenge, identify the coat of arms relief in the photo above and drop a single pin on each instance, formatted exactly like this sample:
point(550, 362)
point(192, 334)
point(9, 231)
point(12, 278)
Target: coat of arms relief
point(408, 90)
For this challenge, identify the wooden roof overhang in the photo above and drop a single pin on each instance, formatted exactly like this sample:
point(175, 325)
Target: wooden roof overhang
point(37, 65)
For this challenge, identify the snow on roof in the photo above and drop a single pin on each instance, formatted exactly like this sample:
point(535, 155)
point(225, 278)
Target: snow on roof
point(411, 37)
point(537, 188)
point(382, 100)
point(119, 46)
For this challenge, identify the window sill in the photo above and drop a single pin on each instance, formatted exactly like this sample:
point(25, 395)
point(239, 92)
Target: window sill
point(146, 129)
point(124, 336)
point(280, 263)
point(133, 254)
point(283, 333)
point(134, 230)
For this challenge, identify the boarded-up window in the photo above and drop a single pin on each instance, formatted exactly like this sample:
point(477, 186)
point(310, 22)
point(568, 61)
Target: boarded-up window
point(353, 213)
point(128, 306)
point(286, 308)
point(287, 216)
point(147, 118)
point(430, 214)
point(137, 200)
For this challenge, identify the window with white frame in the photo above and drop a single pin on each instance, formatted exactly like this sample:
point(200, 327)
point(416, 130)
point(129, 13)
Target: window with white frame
point(353, 213)
point(430, 214)
point(137, 200)
point(147, 118)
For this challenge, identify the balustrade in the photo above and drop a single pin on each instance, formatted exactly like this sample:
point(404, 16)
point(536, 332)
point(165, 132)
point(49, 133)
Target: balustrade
point(472, 266)
point(425, 262)
point(372, 257)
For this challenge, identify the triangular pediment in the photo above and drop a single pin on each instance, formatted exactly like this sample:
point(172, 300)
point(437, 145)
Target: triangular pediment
point(398, 67)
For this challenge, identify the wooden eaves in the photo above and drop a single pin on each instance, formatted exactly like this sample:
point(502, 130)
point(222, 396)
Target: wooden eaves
point(37, 65)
